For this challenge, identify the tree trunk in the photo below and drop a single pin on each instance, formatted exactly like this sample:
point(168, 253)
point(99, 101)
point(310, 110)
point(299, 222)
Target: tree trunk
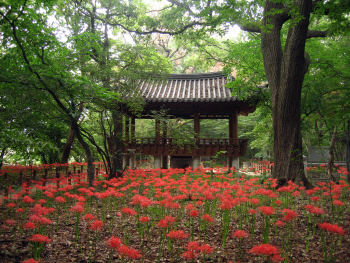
point(285, 71)
point(68, 146)
point(331, 156)
point(89, 158)
point(117, 145)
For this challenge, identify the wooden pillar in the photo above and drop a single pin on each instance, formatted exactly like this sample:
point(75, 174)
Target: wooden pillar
point(196, 120)
point(127, 130)
point(157, 158)
point(196, 160)
point(233, 125)
point(157, 128)
point(132, 128)
point(70, 178)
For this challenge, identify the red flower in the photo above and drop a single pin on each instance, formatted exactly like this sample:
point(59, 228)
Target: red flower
point(40, 238)
point(266, 210)
point(19, 210)
point(144, 219)
point(10, 205)
point(333, 228)
point(30, 261)
point(60, 199)
point(77, 209)
point(207, 218)
point(179, 234)
point(96, 225)
point(239, 234)
point(193, 246)
point(28, 200)
point(206, 249)
point(279, 223)
point(163, 223)
point(264, 249)
point(29, 225)
point(129, 252)
point(89, 217)
point(316, 210)
point(114, 242)
point(252, 211)
point(315, 198)
point(189, 254)
point(128, 211)
point(289, 214)
point(194, 213)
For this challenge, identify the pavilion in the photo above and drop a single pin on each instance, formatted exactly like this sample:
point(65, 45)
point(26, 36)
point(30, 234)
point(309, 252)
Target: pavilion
point(188, 96)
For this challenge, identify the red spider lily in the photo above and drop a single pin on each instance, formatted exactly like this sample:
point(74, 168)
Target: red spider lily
point(89, 217)
point(10, 222)
point(28, 200)
point(276, 258)
point(77, 209)
point(315, 198)
point(163, 223)
point(179, 234)
point(289, 214)
point(332, 228)
point(316, 210)
point(189, 254)
point(129, 252)
point(170, 219)
point(29, 225)
point(20, 210)
point(278, 202)
point(252, 211)
point(144, 219)
point(193, 246)
point(40, 239)
point(114, 243)
point(338, 203)
point(30, 261)
point(264, 249)
point(194, 213)
point(239, 234)
point(266, 210)
point(206, 249)
point(128, 211)
point(60, 199)
point(96, 225)
point(207, 218)
point(42, 201)
point(279, 223)
point(189, 207)
point(10, 205)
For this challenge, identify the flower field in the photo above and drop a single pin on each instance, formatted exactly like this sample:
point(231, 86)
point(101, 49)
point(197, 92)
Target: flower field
point(175, 215)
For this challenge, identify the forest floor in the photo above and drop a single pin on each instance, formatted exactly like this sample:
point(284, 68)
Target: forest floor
point(154, 247)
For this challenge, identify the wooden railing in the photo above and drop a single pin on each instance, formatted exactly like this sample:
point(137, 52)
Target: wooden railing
point(186, 146)
point(181, 141)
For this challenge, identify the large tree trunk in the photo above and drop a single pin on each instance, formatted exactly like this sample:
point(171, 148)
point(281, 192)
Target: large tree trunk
point(68, 145)
point(89, 158)
point(117, 145)
point(285, 71)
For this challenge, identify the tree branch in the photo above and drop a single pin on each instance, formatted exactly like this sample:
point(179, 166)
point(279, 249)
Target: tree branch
point(316, 33)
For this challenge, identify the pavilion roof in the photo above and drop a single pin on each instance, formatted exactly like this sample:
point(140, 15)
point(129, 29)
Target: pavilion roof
point(202, 87)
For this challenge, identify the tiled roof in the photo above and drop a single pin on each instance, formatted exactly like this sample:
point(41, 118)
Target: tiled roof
point(203, 87)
